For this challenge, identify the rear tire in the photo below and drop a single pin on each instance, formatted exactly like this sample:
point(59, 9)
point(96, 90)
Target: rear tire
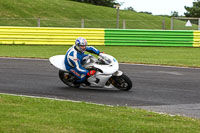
point(121, 82)
point(65, 76)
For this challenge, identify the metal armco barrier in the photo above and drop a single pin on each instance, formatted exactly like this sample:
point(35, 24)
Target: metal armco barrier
point(196, 40)
point(128, 37)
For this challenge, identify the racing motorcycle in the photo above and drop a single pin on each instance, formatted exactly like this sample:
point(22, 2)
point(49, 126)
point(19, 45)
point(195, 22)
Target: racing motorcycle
point(107, 73)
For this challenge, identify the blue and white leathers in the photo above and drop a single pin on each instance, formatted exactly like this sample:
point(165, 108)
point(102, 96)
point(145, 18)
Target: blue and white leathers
point(73, 61)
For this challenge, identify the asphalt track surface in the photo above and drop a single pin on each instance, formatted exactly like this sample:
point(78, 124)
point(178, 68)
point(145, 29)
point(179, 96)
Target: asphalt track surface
point(171, 90)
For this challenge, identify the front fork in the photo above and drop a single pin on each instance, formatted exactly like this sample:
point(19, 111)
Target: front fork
point(118, 73)
point(111, 80)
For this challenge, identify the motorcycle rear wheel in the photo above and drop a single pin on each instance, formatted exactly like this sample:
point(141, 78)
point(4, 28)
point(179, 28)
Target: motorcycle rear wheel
point(121, 82)
point(65, 76)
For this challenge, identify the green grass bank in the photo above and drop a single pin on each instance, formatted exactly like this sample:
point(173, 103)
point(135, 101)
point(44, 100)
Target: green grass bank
point(22, 114)
point(66, 13)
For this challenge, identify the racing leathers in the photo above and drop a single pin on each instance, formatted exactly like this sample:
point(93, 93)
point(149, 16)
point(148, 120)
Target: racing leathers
point(73, 61)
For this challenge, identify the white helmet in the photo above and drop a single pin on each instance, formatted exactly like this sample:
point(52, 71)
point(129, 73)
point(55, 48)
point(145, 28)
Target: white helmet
point(81, 44)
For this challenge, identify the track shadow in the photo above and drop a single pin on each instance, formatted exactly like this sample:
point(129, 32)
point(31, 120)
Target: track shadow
point(94, 89)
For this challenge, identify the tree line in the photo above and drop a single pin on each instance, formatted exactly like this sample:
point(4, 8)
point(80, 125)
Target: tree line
point(108, 3)
point(193, 11)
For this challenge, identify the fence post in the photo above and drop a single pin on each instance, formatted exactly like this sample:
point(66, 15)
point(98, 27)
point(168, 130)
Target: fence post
point(117, 17)
point(163, 24)
point(124, 24)
point(82, 23)
point(199, 24)
point(172, 23)
point(38, 22)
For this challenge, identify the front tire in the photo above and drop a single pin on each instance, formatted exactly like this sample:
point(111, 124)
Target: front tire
point(121, 82)
point(67, 79)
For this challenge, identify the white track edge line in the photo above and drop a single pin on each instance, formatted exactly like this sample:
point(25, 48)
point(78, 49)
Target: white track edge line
point(49, 98)
point(150, 65)
point(57, 99)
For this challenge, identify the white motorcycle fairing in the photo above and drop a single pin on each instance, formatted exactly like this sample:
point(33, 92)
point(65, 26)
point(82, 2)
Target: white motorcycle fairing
point(110, 67)
point(104, 70)
point(58, 61)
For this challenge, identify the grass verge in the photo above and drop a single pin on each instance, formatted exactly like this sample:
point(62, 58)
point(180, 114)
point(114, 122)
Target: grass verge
point(23, 114)
point(174, 56)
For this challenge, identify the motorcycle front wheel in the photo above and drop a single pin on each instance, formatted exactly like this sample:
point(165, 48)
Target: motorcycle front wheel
point(67, 79)
point(121, 82)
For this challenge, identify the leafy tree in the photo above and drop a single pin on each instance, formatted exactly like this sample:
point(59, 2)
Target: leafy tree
point(108, 3)
point(130, 9)
point(174, 14)
point(193, 11)
point(145, 12)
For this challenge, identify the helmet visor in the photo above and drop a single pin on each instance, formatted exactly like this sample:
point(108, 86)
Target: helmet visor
point(82, 47)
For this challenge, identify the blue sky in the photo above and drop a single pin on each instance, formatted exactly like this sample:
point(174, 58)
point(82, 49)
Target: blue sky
point(158, 7)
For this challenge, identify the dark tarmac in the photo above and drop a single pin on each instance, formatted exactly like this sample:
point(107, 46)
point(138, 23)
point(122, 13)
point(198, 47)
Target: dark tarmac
point(172, 90)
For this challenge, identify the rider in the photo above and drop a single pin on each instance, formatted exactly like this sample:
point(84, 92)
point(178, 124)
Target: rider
point(74, 57)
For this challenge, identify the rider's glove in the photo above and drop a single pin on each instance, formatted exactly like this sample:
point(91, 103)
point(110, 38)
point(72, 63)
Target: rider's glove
point(101, 53)
point(91, 73)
